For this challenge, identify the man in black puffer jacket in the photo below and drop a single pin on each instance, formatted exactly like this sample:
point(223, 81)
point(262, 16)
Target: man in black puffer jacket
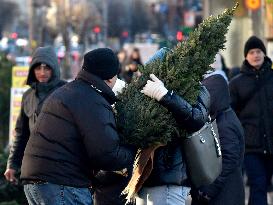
point(252, 99)
point(75, 134)
point(168, 182)
point(43, 78)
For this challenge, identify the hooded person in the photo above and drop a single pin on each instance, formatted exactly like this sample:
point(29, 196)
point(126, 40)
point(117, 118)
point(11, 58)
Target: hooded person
point(228, 188)
point(43, 78)
point(251, 97)
point(75, 135)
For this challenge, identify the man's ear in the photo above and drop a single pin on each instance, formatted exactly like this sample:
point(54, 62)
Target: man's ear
point(108, 81)
point(111, 82)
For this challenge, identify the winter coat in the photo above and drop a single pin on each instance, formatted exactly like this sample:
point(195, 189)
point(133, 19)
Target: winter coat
point(228, 188)
point(32, 102)
point(75, 135)
point(169, 162)
point(251, 98)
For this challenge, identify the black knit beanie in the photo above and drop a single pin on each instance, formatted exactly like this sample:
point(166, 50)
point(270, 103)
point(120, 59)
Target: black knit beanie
point(254, 42)
point(101, 62)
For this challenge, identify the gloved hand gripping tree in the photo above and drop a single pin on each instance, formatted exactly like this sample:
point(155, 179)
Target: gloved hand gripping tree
point(144, 122)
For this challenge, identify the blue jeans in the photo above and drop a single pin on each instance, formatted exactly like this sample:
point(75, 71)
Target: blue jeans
point(259, 169)
point(53, 194)
point(163, 195)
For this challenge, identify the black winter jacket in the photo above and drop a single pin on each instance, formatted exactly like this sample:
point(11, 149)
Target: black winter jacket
point(252, 99)
point(75, 134)
point(169, 163)
point(32, 102)
point(228, 188)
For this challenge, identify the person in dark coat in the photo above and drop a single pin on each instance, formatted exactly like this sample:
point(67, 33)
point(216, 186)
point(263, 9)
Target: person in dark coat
point(131, 69)
point(251, 98)
point(75, 135)
point(228, 188)
point(43, 78)
point(168, 182)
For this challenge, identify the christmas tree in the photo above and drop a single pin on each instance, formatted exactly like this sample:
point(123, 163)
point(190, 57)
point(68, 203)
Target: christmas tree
point(144, 122)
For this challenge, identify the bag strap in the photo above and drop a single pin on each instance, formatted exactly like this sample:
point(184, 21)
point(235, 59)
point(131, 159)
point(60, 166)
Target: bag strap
point(217, 144)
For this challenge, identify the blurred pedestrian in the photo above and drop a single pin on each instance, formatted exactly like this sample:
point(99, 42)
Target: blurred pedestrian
point(251, 98)
point(43, 78)
point(131, 69)
point(219, 67)
point(123, 60)
point(228, 188)
point(75, 135)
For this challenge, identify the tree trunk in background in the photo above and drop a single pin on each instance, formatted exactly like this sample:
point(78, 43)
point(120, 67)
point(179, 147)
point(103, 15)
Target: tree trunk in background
point(30, 24)
point(63, 24)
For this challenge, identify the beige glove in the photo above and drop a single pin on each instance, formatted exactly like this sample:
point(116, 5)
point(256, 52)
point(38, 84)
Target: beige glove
point(154, 88)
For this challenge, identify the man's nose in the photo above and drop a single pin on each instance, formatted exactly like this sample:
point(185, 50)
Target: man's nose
point(43, 70)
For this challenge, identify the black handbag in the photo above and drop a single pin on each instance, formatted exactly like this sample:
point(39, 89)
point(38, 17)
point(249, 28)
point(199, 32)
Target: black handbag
point(203, 155)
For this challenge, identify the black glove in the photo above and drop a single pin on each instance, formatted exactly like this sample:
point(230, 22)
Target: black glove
point(199, 197)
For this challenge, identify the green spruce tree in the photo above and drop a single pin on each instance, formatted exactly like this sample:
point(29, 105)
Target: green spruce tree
point(144, 122)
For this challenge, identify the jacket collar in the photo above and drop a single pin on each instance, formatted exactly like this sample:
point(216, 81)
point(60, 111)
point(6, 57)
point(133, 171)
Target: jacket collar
point(98, 85)
point(248, 69)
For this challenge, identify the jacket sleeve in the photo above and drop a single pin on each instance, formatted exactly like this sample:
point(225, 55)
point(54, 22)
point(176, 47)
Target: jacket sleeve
point(19, 142)
point(231, 156)
point(101, 139)
point(192, 118)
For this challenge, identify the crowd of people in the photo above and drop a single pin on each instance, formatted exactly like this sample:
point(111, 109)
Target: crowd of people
point(68, 148)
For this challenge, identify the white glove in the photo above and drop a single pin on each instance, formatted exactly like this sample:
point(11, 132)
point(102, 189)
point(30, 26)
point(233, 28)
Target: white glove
point(154, 88)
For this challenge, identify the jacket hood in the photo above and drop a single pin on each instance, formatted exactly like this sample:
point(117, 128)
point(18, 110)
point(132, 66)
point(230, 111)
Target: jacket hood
point(44, 55)
point(219, 93)
point(249, 69)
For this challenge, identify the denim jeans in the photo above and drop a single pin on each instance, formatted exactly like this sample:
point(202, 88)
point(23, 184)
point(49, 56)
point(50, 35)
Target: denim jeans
point(259, 169)
point(163, 195)
point(53, 194)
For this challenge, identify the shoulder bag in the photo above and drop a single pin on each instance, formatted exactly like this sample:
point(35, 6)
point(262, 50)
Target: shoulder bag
point(203, 155)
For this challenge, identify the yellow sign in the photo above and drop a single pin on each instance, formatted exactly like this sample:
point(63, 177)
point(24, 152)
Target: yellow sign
point(253, 4)
point(19, 76)
point(15, 108)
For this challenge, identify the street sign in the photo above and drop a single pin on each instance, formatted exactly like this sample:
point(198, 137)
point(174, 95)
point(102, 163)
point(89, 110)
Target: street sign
point(253, 4)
